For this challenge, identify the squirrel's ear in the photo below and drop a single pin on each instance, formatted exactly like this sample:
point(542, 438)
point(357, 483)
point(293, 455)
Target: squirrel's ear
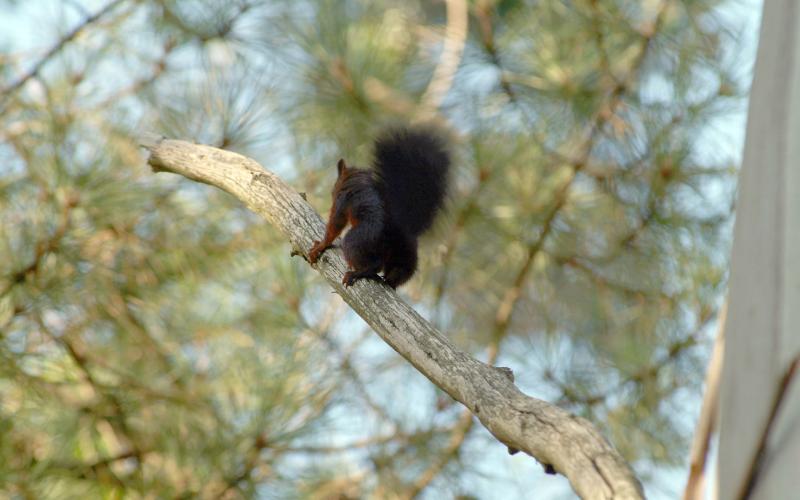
point(341, 166)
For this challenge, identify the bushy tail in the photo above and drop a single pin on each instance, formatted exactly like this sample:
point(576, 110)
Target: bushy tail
point(412, 167)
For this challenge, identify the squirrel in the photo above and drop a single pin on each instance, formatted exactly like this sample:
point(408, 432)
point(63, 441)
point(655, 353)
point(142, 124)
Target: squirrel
point(389, 206)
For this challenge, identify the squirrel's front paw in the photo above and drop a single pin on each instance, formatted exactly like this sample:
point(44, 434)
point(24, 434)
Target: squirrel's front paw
point(316, 251)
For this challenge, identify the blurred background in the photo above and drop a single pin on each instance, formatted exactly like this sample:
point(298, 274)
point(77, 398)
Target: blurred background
point(156, 339)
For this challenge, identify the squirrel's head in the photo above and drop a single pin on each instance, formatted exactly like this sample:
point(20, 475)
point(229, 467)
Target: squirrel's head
point(350, 178)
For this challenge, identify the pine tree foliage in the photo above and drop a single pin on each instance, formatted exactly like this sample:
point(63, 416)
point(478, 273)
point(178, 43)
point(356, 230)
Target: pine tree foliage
point(157, 340)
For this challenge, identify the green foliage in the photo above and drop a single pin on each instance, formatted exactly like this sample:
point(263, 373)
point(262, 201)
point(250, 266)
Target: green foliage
point(157, 339)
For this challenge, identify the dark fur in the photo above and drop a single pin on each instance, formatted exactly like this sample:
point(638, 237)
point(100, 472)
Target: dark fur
point(411, 166)
point(388, 208)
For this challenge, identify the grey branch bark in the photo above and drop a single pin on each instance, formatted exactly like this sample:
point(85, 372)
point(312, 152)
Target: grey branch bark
point(556, 438)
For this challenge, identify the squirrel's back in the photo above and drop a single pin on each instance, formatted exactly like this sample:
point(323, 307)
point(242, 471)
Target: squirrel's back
point(411, 166)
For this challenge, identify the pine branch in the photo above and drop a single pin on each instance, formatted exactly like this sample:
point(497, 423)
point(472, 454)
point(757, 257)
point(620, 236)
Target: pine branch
point(559, 440)
point(60, 44)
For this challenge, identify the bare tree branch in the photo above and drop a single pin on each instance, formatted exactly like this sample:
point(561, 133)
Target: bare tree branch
point(559, 440)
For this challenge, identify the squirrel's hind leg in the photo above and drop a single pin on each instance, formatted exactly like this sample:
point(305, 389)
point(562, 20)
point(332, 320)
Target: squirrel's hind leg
point(361, 256)
point(351, 277)
point(397, 275)
point(401, 261)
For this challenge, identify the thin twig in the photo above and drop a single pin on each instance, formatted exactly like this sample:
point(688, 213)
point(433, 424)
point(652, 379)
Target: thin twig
point(708, 414)
point(55, 49)
point(754, 471)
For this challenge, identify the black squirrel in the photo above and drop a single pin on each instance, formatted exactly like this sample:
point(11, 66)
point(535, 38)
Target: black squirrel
point(388, 207)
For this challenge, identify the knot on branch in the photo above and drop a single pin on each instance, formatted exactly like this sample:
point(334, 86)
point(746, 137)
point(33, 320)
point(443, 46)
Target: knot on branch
point(506, 371)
